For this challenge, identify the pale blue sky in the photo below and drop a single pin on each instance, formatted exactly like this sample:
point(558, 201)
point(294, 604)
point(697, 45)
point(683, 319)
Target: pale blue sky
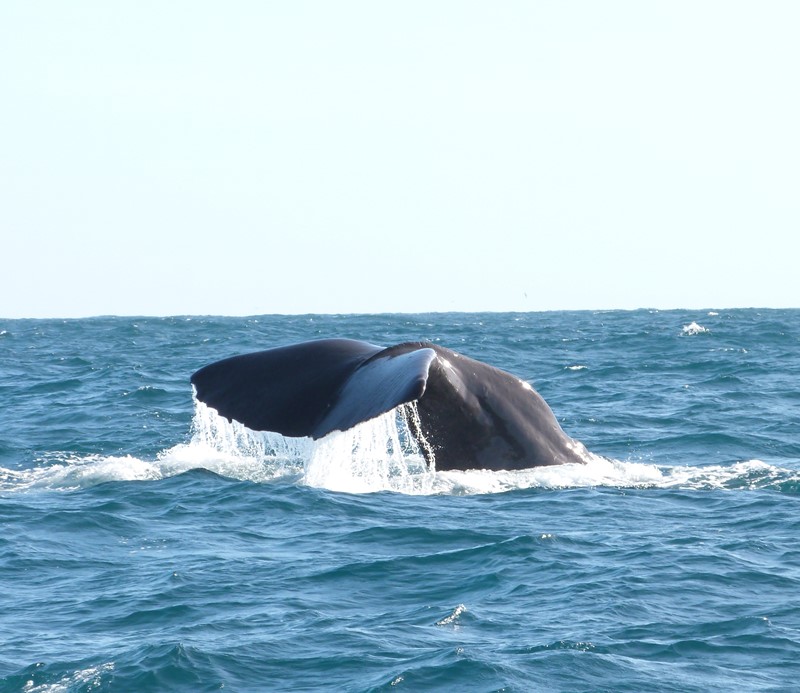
point(194, 157)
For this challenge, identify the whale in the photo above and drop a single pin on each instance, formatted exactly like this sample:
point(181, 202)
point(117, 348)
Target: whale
point(463, 413)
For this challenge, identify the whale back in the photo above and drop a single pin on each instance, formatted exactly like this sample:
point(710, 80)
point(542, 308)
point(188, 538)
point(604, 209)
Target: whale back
point(477, 416)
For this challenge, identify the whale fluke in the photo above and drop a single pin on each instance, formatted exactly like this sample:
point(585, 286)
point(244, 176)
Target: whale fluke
point(471, 414)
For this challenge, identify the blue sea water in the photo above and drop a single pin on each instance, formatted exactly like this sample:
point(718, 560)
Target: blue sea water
point(146, 545)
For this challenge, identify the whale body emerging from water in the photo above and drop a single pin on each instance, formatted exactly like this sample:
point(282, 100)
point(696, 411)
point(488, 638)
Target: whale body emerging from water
point(468, 414)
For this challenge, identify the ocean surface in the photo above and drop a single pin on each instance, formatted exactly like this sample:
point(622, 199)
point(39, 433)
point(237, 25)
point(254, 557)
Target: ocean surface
point(147, 545)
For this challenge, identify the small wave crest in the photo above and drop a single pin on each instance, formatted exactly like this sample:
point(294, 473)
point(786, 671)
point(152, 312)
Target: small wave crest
point(452, 618)
point(379, 455)
point(693, 328)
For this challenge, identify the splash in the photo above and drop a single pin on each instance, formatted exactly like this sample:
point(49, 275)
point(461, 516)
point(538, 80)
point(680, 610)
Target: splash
point(232, 450)
point(378, 455)
point(227, 449)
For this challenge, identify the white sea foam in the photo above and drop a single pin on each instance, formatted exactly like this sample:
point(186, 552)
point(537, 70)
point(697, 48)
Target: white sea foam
point(693, 328)
point(85, 679)
point(749, 474)
point(379, 455)
point(452, 618)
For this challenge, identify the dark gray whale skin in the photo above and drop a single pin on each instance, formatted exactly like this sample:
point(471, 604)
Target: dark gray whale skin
point(471, 415)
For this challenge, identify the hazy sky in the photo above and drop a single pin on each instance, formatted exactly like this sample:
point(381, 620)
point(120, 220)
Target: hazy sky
point(167, 158)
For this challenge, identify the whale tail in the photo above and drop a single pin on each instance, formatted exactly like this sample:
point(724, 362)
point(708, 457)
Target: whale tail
point(468, 414)
point(313, 388)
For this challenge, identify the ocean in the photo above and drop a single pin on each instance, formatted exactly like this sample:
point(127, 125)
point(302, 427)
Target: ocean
point(148, 545)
